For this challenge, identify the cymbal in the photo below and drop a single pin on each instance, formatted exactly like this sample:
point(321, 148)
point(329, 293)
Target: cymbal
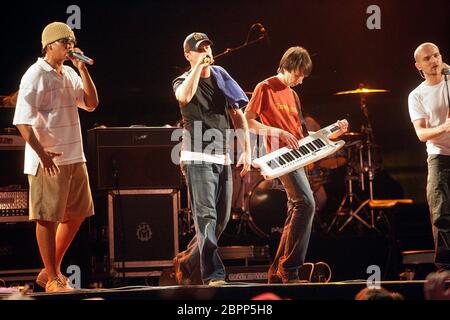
point(9, 131)
point(361, 91)
point(8, 101)
point(5, 102)
point(351, 136)
point(332, 162)
point(6, 106)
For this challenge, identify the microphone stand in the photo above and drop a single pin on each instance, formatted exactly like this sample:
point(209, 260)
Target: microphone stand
point(446, 71)
point(446, 86)
point(245, 44)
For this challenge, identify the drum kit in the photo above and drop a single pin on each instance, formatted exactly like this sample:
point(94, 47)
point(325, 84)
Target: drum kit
point(362, 145)
point(261, 205)
point(9, 101)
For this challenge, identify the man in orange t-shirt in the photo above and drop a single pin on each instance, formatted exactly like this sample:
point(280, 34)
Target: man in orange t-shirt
point(277, 105)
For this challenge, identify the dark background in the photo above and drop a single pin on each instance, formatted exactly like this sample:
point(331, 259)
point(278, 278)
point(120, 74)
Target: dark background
point(137, 46)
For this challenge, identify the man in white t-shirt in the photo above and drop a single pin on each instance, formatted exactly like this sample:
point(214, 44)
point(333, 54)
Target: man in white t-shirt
point(47, 117)
point(429, 112)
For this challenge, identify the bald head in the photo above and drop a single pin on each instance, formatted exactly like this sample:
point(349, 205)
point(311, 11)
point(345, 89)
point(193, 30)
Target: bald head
point(422, 47)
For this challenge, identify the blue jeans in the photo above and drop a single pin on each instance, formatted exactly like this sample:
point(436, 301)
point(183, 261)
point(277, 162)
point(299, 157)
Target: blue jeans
point(210, 191)
point(438, 197)
point(297, 227)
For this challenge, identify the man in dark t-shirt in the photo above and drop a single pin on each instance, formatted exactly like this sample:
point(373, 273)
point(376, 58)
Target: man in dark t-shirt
point(208, 98)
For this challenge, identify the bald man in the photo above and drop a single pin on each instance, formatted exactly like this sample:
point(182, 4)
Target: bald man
point(429, 111)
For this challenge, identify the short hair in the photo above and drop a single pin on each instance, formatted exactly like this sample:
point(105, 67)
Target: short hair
point(296, 58)
point(421, 46)
point(378, 294)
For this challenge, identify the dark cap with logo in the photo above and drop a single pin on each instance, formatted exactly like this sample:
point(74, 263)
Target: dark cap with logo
point(194, 40)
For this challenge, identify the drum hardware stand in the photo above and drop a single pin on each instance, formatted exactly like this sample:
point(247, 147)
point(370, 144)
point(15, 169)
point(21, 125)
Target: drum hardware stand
point(374, 205)
point(318, 224)
point(186, 218)
point(245, 218)
point(370, 141)
point(350, 197)
point(369, 169)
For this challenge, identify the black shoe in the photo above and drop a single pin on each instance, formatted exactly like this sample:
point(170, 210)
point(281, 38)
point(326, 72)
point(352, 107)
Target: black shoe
point(290, 278)
point(181, 275)
point(298, 281)
point(273, 278)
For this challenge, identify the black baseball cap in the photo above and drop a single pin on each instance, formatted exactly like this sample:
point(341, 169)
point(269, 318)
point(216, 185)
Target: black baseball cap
point(193, 41)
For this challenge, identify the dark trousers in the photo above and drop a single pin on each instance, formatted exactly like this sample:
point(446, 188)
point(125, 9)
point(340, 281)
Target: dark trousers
point(438, 196)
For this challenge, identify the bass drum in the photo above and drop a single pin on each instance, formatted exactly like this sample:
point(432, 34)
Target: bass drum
point(268, 207)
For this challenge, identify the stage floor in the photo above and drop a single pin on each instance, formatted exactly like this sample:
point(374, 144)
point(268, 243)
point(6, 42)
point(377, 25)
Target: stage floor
point(411, 290)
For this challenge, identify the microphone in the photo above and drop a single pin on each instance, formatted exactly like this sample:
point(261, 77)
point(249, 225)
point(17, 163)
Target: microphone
point(445, 69)
point(261, 27)
point(207, 60)
point(81, 57)
point(264, 32)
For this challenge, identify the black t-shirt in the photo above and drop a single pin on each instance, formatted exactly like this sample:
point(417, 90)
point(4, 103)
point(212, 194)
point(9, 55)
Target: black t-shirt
point(205, 117)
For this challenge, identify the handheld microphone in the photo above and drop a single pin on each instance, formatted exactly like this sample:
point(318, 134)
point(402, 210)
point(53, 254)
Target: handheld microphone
point(445, 69)
point(81, 57)
point(207, 60)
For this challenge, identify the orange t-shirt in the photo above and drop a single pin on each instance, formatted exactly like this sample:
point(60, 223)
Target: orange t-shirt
point(274, 102)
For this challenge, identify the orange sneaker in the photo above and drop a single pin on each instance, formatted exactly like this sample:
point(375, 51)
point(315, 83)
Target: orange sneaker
point(180, 274)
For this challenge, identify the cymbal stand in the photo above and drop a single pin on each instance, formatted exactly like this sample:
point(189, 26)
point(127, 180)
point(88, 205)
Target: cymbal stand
point(243, 213)
point(185, 219)
point(369, 169)
point(370, 143)
point(350, 199)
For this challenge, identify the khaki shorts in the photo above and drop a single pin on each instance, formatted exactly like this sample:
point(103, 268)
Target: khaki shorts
point(62, 197)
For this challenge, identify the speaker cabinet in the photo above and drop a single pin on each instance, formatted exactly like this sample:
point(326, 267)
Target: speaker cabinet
point(19, 252)
point(11, 171)
point(143, 228)
point(132, 158)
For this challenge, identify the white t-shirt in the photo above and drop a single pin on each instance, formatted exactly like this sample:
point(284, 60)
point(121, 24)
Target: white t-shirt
point(48, 102)
point(204, 157)
point(431, 103)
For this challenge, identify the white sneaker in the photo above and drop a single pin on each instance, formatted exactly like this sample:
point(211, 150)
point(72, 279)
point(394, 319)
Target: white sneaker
point(42, 278)
point(217, 283)
point(57, 285)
